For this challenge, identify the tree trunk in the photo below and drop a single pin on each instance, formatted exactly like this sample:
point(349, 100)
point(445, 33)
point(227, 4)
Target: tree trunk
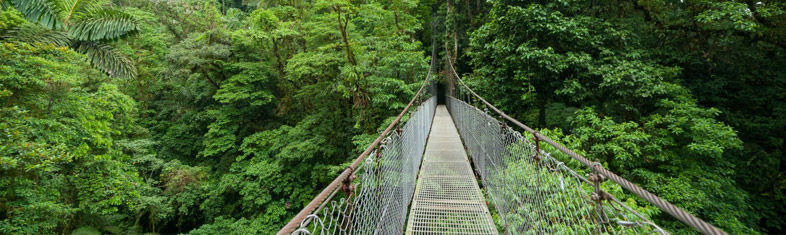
point(342, 27)
point(279, 61)
point(542, 100)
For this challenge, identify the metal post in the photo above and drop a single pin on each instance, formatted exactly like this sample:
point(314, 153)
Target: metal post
point(349, 190)
point(537, 147)
point(598, 195)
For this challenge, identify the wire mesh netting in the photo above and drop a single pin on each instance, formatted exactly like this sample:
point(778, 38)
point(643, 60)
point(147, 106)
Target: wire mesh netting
point(532, 191)
point(382, 186)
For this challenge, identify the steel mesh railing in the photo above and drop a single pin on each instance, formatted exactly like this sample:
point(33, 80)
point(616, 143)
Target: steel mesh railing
point(534, 192)
point(379, 196)
point(509, 163)
point(373, 193)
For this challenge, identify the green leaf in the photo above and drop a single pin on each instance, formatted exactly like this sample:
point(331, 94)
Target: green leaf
point(33, 34)
point(43, 12)
point(107, 59)
point(103, 25)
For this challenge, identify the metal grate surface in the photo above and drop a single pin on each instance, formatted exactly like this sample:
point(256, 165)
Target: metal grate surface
point(447, 197)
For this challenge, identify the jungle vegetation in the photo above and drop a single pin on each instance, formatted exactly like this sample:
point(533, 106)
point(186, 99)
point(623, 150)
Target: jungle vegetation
point(228, 116)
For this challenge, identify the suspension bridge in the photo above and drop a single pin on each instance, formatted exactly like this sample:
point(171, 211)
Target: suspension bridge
point(443, 167)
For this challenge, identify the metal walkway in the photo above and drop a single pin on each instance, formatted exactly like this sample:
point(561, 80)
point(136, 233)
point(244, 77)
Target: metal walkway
point(533, 191)
point(447, 197)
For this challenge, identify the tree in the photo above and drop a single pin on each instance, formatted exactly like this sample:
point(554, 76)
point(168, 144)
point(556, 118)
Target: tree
point(731, 55)
point(59, 168)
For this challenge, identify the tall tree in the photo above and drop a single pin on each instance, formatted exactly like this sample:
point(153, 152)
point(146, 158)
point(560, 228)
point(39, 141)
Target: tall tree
point(60, 168)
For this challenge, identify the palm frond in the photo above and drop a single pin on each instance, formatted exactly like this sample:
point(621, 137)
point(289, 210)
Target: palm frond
point(71, 8)
point(102, 24)
point(43, 12)
point(107, 59)
point(30, 33)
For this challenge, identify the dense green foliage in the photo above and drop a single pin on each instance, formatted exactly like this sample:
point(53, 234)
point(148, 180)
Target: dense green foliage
point(232, 115)
point(60, 163)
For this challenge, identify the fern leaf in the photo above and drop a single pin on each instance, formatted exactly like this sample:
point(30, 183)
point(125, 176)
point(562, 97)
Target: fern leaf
point(103, 25)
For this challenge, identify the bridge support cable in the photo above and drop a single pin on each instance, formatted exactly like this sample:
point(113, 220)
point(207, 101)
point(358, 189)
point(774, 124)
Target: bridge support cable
point(372, 195)
point(534, 191)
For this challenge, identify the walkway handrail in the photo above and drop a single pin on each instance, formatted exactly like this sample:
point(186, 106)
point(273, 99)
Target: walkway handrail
point(664, 205)
point(333, 186)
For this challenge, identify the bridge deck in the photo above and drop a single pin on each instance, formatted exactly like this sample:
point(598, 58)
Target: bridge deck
point(447, 197)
